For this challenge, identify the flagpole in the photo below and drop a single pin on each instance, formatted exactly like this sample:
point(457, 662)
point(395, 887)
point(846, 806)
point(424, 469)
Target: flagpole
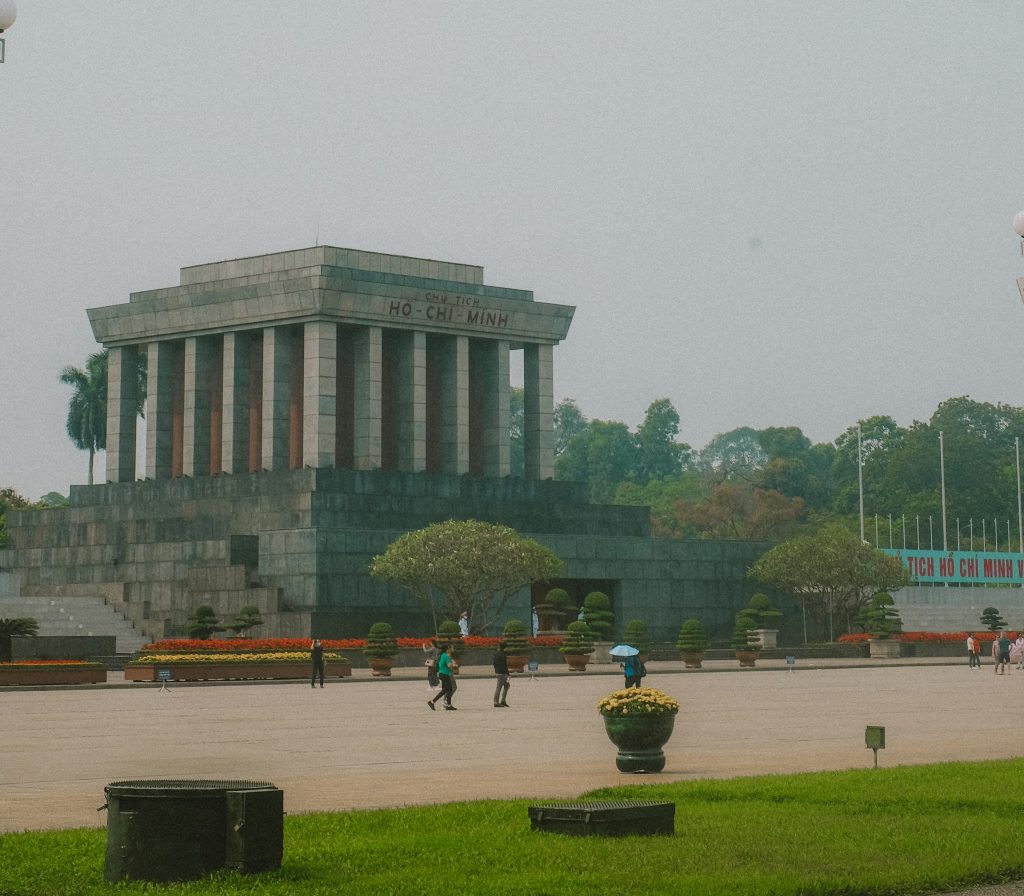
point(942, 473)
point(1020, 530)
point(860, 485)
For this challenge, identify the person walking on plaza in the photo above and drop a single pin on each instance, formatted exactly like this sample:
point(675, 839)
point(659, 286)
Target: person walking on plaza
point(1018, 648)
point(464, 624)
point(1001, 653)
point(444, 672)
point(633, 669)
point(972, 651)
point(977, 651)
point(431, 663)
point(502, 682)
point(316, 654)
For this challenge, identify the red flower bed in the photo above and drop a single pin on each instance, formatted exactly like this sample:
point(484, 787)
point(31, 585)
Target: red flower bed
point(250, 644)
point(924, 637)
point(50, 663)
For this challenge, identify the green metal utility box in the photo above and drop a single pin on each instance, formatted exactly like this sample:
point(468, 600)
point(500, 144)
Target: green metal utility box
point(185, 829)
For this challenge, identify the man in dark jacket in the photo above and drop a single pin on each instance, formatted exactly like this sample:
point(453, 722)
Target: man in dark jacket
point(501, 676)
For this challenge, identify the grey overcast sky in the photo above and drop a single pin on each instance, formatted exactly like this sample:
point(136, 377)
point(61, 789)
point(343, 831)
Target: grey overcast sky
point(786, 213)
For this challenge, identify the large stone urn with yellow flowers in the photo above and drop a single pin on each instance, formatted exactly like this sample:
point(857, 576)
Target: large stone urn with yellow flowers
point(639, 721)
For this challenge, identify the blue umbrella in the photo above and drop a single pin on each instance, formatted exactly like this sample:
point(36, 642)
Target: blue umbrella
point(623, 650)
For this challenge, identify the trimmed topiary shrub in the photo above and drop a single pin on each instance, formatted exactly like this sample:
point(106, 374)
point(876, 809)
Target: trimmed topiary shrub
point(598, 615)
point(636, 635)
point(203, 622)
point(692, 637)
point(380, 642)
point(514, 635)
point(579, 640)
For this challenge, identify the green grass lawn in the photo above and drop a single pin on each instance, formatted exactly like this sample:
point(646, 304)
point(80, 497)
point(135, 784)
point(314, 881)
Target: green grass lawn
point(914, 829)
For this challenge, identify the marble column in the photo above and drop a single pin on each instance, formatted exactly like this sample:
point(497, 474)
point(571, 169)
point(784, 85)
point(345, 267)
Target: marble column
point(320, 398)
point(454, 403)
point(122, 412)
point(539, 411)
point(367, 344)
point(277, 361)
point(235, 425)
point(196, 429)
point(495, 408)
point(161, 364)
point(412, 402)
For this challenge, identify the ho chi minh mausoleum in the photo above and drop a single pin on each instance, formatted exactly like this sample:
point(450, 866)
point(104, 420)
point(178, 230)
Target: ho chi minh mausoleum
point(303, 410)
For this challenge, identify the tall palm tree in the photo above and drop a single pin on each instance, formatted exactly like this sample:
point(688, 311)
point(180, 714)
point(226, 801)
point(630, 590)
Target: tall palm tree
point(87, 409)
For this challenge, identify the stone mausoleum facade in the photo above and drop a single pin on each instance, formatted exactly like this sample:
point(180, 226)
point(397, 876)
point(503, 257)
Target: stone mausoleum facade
point(304, 409)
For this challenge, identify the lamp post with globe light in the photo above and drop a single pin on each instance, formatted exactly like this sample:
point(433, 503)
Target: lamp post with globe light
point(8, 13)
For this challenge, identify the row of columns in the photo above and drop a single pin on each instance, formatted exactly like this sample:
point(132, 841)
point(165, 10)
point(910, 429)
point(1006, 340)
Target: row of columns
point(323, 395)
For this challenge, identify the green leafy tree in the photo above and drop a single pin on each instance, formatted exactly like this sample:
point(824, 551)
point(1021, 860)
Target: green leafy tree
point(87, 408)
point(658, 454)
point(23, 627)
point(465, 566)
point(833, 569)
point(736, 454)
point(9, 500)
point(735, 510)
point(568, 421)
point(602, 455)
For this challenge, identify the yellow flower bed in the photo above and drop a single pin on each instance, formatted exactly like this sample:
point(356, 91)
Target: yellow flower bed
point(167, 659)
point(639, 702)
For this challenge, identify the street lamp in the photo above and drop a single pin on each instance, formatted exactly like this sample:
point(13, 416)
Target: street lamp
point(8, 13)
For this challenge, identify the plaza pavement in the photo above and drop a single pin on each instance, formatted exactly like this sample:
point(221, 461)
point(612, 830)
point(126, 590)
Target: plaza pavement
point(363, 743)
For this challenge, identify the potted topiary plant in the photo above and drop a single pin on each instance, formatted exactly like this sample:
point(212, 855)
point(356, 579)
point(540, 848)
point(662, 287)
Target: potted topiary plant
point(598, 615)
point(693, 641)
point(744, 639)
point(517, 648)
point(554, 610)
point(636, 635)
point(881, 620)
point(381, 649)
point(248, 617)
point(203, 622)
point(577, 646)
point(763, 611)
point(448, 632)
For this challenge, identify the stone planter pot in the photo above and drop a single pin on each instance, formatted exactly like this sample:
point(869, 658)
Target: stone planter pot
point(767, 637)
point(639, 740)
point(692, 659)
point(33, 674)
point(231, 671)
point(883, 648)
point(600, 654)
point(380, 666)
point(517, 662)
point(577, 662)
point(747, 658)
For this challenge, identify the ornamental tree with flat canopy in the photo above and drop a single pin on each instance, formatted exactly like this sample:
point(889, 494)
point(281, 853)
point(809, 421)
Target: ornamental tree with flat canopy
point(832, 566)
point(465, 566)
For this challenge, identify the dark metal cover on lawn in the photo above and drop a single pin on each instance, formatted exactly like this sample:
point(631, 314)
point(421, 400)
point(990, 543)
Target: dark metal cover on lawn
point(607, 818)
